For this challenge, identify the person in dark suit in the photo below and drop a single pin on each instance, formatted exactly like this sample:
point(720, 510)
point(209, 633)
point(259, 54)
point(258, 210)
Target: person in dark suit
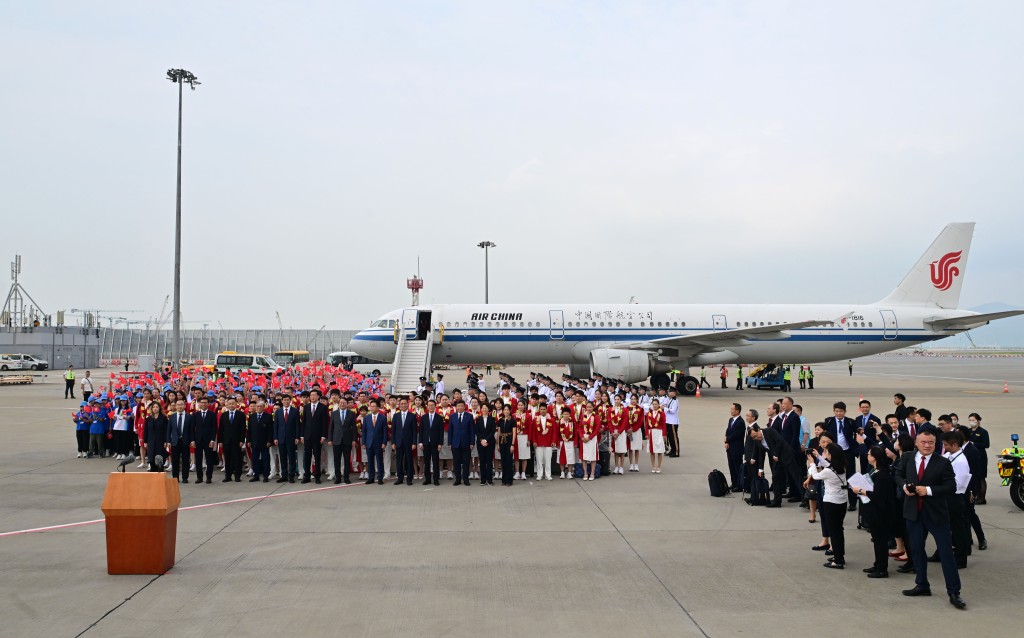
point(231, 440)
point(506, 433)
point(880, 512)
point(314, 433)
point(155, 434)
point(431, 438)
point(403, 440)
point(179, 439)
point(980, 439)
point(926, 482)
point(342, 437)
point(375, 438)
point(843, 430)
point(923, 423)
point(461, 438)
point(204, 433)
point(790, 431)
point(733, 440)
point(753, 451)
point(260, 438)
point(866, 422)
point(286, 438)
point(784, 463)
point(976, 461)
point(485, 430)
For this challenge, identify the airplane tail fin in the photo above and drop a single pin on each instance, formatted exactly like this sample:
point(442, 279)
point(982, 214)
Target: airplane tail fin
point(938, 275)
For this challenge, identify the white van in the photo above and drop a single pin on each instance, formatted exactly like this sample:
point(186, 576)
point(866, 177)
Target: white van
point(236, 361)
point(22, 362)
point(358, 363)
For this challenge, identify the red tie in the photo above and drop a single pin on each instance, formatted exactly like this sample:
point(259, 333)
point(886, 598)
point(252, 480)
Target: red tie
point(920, 476)
point(912, 430)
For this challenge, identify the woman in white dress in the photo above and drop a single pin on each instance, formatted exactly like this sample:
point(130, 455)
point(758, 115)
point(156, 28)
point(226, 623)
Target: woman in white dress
point(656, 435)
point(619, 433)
point(635, 425)
point(588, 441)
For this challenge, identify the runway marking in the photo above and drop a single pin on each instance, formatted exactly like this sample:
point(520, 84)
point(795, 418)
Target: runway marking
point(925, 376)
point(183, 509)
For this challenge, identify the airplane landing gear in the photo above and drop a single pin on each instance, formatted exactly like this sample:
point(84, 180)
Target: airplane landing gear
point(660, 380)
point(687, 386)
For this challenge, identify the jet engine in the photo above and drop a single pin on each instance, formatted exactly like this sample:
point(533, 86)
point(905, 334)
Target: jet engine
point(628, 366)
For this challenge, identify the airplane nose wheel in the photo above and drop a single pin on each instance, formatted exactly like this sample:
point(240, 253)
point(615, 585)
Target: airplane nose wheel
point(687, 386)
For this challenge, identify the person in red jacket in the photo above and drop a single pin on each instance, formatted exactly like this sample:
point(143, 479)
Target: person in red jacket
point(656, 435)
point(568, 444)
point(590, 431)
point(522, 439)
point(544, 432)
point(635, 427)
point(618, 426)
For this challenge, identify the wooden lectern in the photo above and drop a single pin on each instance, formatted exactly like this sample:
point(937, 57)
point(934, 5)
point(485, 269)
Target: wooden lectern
point(141, 512)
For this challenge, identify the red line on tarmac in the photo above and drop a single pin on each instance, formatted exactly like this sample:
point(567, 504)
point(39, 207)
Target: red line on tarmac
point(182, 509)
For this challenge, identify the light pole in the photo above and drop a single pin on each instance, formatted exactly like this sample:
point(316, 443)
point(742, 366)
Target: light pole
point(179, 77)
point(486, 245)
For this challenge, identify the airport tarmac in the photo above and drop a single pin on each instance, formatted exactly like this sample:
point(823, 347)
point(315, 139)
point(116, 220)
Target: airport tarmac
point(632, 555)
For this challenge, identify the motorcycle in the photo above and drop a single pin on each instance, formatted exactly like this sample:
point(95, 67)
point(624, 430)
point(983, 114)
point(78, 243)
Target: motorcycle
point(1011, 472)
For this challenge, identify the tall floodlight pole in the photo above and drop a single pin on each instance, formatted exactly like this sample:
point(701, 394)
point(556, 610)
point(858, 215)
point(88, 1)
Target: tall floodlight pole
point(179, 77)
point(486, 245)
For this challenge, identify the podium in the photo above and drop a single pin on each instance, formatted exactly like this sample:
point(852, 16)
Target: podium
point(141, 512)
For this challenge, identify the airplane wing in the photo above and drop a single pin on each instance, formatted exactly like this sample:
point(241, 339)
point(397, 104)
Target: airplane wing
point(717, 339)
point(966, 322)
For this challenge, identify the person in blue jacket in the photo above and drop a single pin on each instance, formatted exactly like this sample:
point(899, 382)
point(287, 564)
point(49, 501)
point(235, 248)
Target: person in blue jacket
point(98, 428)
point(82, 422)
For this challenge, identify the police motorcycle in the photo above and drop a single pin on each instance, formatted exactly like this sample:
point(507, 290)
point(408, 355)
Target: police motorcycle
point(1010, 470)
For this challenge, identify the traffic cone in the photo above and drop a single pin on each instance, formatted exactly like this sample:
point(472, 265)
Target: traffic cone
point(698, 392)
point(1006, 388)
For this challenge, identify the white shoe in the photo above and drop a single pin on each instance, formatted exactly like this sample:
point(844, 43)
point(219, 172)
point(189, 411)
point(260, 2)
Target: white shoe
point(78, 456)
point(192, 468)
point(562, 476)
point(141, 465)
point(549, 477)
point(654, 470)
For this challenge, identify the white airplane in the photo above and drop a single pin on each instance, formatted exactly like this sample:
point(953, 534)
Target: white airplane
point(632, 342)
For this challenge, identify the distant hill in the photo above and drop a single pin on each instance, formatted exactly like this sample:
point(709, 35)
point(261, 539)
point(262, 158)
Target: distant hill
point(1006, 333)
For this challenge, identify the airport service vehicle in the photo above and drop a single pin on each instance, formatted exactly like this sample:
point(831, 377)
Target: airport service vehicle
point(631, 342)
point(358, 363)
point(290, 358)
point(769, 377)
point(22, 362)
point(1010, 471)
point(236, 361)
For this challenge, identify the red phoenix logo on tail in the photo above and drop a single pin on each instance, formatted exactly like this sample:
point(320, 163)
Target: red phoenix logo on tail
point(944, 270)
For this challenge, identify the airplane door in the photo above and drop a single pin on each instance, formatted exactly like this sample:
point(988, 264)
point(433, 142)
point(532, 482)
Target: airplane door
point(891, 328)
point(556, 323)
point(409, 317)
point(719, 322)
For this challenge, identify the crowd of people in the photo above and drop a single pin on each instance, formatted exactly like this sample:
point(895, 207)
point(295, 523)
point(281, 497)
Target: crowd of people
point(342, 427)
point(915, 479)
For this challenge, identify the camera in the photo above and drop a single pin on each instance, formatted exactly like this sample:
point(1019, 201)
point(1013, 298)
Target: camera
point(911, 487)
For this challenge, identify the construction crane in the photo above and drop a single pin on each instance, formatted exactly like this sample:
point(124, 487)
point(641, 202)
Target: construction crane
point(93, 314)
point(162, 318)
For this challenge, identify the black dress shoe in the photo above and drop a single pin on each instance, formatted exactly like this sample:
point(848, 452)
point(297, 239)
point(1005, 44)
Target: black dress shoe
point(983, 544)
point(907, 568)
point(870, 570)
point(747, 501)
point(829, 552)
point(409, 482)
point(369, 481)
point(736, 489)
point(934, 558)
point(878, 575)
point(306, 480)
point(266, 480)
point(437, 482)
point(199, 480)
point(209, 481)
point(238, 479)
point(426, 482)
point(317, 480)
point(820, 548)
point(254, 479)
point(348, 482)
point(956, 601)
point(917, 591)
point(227, 479)
point(794, 499)
point(380, 481)
point(457, 482)
point(337, 481)
point(961, 564)
point(852, 507)
point(291, 479)
point(774, 505)
point(835, 565)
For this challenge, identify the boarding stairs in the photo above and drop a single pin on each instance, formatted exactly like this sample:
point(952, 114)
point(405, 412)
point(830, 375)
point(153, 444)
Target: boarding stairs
point(412, 361)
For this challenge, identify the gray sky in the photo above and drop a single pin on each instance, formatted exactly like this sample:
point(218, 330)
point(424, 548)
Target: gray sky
point(669, 151)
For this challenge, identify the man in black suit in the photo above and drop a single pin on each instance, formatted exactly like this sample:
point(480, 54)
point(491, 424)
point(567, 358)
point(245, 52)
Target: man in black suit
point(753, 451)
point(403, 440)
point(865, 422)
point(204, 433)
point(923, 422)
point(784, 463)
point(790, 431)
point(260, 437)
point(179, 438)
point(926, 482)
point(976, 461)
point(231, 440)
point(772, 420)
point(286, 438)
point(431, 438)
point(733, 441)
point(314, 433)
point(843, 430)
point(486, 427)
point(341, 437)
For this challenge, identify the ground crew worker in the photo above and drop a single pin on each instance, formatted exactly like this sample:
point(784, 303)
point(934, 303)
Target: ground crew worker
point(724, 374)
point(802, 376)
point(703, 378)
point(850, 364)
point(739, 377)
point(69, 382)
point(810, 378)
point(787, 380)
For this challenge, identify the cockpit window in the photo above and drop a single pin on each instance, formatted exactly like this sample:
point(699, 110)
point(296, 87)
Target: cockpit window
point(391, 323)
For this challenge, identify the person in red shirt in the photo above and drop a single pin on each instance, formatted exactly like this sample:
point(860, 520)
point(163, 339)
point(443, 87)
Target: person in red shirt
point(590, 431)
point(656, 435)
point(522, 440)
point(544, 432)
point(567, 448)
point(618, 426)
point(635, 426)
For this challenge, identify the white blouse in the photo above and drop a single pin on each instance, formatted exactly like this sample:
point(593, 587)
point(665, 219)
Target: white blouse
point(835, 488)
